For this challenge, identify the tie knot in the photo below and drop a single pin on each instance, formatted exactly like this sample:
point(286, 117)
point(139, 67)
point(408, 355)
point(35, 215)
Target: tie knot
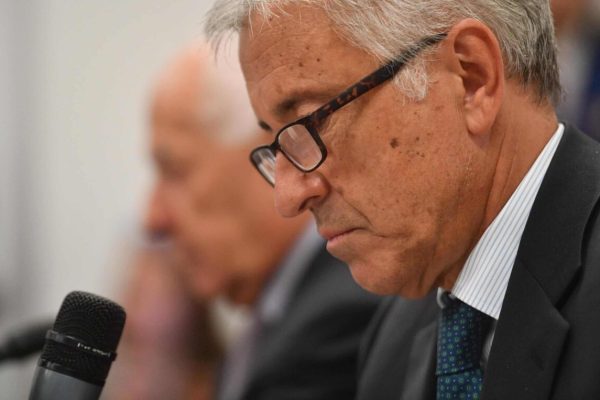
point(461, 333)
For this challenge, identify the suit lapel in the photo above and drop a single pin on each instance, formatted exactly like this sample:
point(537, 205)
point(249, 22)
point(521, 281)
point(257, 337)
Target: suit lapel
point(400, 360)
point(527, 344)
point(420, 381)
point(531, 332)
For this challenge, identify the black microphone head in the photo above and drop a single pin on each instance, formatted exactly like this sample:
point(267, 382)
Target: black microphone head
point(84, 337)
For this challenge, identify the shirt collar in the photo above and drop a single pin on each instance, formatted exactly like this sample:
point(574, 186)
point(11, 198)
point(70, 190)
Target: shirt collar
point(484, 278)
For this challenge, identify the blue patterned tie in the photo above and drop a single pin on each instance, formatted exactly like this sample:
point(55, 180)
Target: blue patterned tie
point(460, 341)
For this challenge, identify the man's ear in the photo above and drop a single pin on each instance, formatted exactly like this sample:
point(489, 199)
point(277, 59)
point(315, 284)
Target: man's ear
point(473, 53)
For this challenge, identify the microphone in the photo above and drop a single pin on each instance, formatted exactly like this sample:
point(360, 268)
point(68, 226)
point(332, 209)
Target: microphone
point(24, 342)
point(79, 349)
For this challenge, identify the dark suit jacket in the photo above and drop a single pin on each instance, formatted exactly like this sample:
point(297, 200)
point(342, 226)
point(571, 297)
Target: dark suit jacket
point(311, 354)
point(547, 341)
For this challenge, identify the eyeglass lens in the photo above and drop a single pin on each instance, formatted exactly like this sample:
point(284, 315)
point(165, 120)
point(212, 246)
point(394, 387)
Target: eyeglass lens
point(297, 144)
point(264, 159)
point(300, 147)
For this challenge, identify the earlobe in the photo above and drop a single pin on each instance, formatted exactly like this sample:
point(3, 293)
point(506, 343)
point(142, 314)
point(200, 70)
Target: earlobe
point(477, 59)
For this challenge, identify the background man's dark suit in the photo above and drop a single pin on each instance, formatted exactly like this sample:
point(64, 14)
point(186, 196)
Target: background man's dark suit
point(312, 352)
point(546, 345)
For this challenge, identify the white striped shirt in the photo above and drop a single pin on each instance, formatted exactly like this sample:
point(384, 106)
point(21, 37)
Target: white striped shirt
point(484, 278)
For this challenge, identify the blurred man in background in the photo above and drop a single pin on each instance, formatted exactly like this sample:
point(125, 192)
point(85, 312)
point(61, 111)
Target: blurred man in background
point(307, 314)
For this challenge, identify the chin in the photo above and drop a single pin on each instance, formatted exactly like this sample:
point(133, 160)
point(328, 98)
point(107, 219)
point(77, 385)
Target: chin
point(205, 289)
point(369, 271)
point(371, 279)
point(387, 280)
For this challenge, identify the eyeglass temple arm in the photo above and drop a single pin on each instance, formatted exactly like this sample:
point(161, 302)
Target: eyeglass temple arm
point(374, 79)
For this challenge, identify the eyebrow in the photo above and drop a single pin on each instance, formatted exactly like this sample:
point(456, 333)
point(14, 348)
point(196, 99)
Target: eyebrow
point(289, 104)
point(263, 125)
point(282, 108)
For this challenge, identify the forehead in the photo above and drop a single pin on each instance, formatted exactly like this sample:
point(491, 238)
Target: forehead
point(295, 56)
point(265, 40)
point(179, 124)
point(179, 136)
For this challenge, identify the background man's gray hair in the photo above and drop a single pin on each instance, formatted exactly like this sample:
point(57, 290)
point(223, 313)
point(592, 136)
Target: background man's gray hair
point(524, 29)
point(229, 106)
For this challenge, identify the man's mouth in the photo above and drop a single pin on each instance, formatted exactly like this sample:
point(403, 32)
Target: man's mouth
point(335, 235)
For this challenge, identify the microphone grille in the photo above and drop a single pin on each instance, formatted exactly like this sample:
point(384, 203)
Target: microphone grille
point(93, 320)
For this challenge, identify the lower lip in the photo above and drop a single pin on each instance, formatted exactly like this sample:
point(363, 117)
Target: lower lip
point(337, 240)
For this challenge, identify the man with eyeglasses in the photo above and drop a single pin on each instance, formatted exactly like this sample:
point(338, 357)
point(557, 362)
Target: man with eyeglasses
point(422, 136)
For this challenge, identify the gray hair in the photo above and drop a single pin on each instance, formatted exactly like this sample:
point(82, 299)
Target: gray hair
point(229, 107)
point(524, 29)
point(214, 89)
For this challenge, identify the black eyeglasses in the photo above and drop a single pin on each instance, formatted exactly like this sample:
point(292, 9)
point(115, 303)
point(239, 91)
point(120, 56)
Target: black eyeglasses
point(300, 142)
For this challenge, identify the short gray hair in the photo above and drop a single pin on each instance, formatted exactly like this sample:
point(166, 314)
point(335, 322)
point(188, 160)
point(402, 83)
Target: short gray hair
point(229, 107)
point(524, 29)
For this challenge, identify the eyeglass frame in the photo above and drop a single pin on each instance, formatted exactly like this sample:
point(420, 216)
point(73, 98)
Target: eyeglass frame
point(317, 117)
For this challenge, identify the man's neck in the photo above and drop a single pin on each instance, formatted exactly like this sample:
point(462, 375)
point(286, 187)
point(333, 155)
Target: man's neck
point(522, 131)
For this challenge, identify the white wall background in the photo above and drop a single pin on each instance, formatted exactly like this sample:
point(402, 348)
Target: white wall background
point(74, 79)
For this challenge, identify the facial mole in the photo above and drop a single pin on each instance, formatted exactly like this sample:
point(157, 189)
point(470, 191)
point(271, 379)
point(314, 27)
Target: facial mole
point(301, 64)
point(318, 59)
point(394, 143)
point(417, 139)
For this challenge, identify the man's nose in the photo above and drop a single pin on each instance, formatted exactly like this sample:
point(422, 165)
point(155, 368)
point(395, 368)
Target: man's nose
point(157, 222)
point(296, 191)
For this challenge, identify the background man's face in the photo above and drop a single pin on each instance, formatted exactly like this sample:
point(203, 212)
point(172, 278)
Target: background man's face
point(396, 197)
point(177, 208)
point(208, 199)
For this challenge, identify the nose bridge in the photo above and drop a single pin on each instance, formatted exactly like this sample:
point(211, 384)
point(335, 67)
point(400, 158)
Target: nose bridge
point(295, 191)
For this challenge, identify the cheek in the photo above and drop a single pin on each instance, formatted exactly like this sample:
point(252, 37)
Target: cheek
point(215, 235)
point(400, 170)
point(227, 240)
point(390, 265)
point(182, 210)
